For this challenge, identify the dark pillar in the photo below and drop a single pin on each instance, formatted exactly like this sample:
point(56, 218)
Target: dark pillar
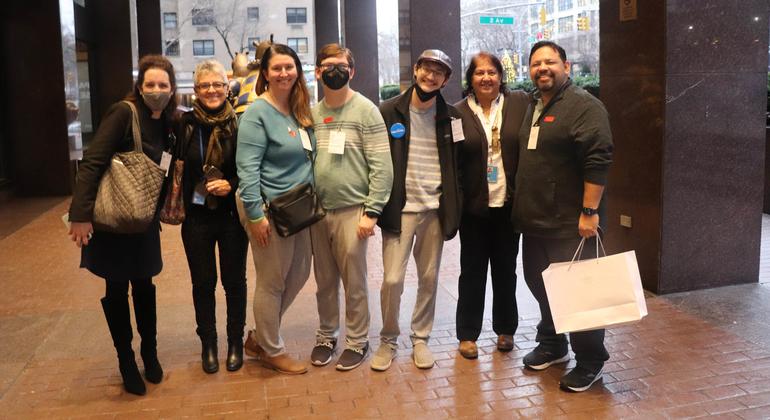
point(327, 29)
point(148, 27)
point(361, 37)
point(436, 24)
point(112, 61)
point(33, 122)
point(684, 85)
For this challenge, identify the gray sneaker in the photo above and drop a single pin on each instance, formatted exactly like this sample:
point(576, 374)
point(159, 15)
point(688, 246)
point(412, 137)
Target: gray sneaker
point(383, 357)
point(322, 353)
point(352, 358)
point(422, 356)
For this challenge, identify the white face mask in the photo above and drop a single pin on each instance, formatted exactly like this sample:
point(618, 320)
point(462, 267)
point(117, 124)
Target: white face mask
point(156, 101)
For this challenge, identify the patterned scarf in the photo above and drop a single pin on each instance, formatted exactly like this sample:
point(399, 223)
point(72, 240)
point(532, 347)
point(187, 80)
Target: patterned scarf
point(224, 124)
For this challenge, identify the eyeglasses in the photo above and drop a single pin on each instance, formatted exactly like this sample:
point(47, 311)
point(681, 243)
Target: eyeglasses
point(435, 71)
point(218, 86)
point(340, 67)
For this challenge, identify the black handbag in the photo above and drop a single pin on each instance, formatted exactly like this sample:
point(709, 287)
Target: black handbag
point(295, 209)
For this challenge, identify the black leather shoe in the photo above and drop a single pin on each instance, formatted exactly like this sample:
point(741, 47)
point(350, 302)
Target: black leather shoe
point(209, 360)
point(234, 354)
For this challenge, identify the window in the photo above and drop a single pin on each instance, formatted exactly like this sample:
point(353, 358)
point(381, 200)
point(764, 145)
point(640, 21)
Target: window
point(565, 5)
point(203, 47)
point(533, 28)
point(582, 3)
point(202, 17)
point(253, 13)
point(253, 40)
point(169, 20)
point(172, 48)
point(299, 45)
point(549, 6)
point(565, 24)
point(296, 15)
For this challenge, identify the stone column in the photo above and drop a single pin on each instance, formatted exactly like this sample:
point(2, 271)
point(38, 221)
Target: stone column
point(360, 17)
point(684, 84)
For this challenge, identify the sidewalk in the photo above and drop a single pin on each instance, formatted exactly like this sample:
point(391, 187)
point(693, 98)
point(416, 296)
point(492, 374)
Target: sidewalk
point(57, 360)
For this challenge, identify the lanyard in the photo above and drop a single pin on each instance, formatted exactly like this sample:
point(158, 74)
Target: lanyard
point(200, 147)
point(553, 100)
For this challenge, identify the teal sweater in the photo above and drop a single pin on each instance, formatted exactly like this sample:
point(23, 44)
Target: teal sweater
point(269, 157)
point(363, 174)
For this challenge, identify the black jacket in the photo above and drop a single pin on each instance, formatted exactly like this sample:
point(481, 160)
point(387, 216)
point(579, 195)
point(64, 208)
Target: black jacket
point(474, 152)
point(188, 149)
point(574, 146)
point(396, 110)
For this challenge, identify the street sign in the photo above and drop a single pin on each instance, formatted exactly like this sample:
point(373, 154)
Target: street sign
point(496, 20)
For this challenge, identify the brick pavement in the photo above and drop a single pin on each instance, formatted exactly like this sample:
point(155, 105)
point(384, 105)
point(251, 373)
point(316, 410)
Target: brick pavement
point(57, 361)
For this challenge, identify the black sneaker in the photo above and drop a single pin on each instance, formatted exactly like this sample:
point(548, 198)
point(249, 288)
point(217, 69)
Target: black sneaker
point(322, 353)
point(352, 358)
point(580, 378)
point(539, 359)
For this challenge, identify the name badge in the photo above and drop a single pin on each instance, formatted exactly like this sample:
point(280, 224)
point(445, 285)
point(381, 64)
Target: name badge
point(198, 198)
point(337, 142)
point(305, 137)
point(492, 174)
point(165, 161)
point(533, 134)
point(457, 130)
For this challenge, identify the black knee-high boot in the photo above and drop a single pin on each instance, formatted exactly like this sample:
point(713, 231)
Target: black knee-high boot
point(146, 324)
point(118, 317)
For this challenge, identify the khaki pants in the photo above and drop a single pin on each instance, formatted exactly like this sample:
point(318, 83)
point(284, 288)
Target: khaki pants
point(282, 269)
point(423, 230)
point(339, 254)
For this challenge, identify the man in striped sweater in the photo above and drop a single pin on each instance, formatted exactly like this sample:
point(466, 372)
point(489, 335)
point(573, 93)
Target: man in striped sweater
point(353, 175)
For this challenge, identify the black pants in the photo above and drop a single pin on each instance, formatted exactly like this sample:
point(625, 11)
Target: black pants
point(538, 254)
point(487, 241)
point(201, 231)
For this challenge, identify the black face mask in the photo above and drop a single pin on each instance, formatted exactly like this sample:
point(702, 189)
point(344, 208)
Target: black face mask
point(423, 95)
point(335, 78)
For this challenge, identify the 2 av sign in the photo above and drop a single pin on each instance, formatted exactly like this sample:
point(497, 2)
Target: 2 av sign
point(496, 20)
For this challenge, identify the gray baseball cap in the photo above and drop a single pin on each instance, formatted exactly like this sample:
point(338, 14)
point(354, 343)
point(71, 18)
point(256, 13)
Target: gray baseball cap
point(437, 56)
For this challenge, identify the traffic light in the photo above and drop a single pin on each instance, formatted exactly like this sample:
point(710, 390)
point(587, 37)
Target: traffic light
point(515, 58)
point(582, 23)
point(547, 33)
point(542, 16)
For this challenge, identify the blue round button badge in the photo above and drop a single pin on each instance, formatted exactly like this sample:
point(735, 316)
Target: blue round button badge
point(397, 130)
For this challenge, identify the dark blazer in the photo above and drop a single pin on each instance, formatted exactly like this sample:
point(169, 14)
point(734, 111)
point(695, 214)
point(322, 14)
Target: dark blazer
point(474, 152)
point(189, 150)
point(396, 110)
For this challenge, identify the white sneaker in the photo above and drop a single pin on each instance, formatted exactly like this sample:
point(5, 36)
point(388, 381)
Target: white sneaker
point(383, 357)
point(422, 356)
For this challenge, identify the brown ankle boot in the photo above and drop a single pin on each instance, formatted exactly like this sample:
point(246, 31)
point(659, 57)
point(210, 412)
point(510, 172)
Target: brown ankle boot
point(251, 348)
point(285, 364)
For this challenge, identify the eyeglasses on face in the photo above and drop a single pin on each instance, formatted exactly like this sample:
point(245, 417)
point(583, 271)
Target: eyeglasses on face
point(435, 71)
point(218, 86)
point(341, 67)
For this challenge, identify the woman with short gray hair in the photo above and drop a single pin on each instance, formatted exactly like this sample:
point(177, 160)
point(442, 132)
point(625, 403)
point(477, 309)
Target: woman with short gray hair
point(207, 144)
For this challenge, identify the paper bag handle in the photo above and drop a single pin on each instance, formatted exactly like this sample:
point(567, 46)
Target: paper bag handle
point(579, 250)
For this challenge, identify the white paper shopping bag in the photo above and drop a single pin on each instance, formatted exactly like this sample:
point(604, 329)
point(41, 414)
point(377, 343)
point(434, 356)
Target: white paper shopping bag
point(595, 293)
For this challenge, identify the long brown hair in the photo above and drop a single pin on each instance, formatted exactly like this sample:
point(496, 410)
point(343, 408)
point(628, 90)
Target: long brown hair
point(299, 99)
point(154, 61)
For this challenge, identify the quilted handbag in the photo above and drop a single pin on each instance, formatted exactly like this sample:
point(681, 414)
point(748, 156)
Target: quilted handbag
point(295, 210)
point(129, 190)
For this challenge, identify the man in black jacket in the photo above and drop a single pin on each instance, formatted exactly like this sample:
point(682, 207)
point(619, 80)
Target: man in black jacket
point(565, 150)
point(424, 205)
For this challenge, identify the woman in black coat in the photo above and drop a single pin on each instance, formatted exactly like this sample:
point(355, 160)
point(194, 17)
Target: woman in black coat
point(208, 136)
point(488, 157)
point(123, 259)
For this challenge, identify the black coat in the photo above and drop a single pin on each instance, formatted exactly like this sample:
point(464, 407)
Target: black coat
point(474, 152)
point(113, 255)
point(396, 110)
point(189, 150)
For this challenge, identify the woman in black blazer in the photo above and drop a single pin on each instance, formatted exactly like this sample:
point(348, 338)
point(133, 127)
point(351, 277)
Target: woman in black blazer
point(491, 118)
point(123, 259)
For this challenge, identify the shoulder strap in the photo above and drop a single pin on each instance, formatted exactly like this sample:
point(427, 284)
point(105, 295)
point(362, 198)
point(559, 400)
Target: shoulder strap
point(136, 131)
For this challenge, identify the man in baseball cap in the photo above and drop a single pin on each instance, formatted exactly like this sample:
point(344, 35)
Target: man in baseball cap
point(424, 206)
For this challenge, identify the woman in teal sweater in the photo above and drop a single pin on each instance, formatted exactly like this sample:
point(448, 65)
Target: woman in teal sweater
point(274, 152)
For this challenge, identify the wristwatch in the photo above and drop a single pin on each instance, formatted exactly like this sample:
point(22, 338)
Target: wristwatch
point(588, 211)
